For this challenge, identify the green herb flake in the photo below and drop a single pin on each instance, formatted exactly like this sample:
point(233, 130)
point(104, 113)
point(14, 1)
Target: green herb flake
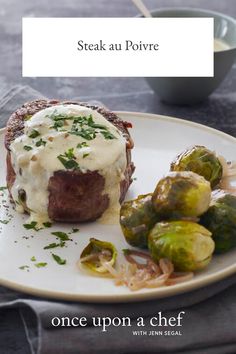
point(70, 153)
point(5, 222)
point(27, 147)
point(31, 226)
point(61, 235)
point(82, 120)
point(24, 267)
point(68, 160)
point(33, 259)
point(60, 116)
point(108, 135)
point(82, 145)
point(92, 124)
point(58, 259)
point(68, 164)
point(40, 142)
point(47, 224)
point(54, 245)
point(40, 265)
point(85, 155)
point(74, 230)
point(85, 133)
point(34, 134)
point(82, 126)
point(3, 188)
point(58, 124)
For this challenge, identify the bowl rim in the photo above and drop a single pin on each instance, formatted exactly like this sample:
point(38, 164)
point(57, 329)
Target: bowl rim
point(193, 9)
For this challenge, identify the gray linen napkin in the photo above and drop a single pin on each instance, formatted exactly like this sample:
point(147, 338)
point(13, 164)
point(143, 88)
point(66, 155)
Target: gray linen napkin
point(209, 325)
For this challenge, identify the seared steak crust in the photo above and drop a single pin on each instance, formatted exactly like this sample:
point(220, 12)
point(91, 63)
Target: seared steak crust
point(73, 196)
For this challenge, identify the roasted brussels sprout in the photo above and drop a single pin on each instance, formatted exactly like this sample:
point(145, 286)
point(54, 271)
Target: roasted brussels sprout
point(137, 217)
point(187, 245)
point(181, 194)
point(97, 254)
point(202, 161)
point(220, 219)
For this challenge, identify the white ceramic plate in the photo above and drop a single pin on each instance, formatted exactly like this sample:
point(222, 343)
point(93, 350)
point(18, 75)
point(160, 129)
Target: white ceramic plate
point(157, 140)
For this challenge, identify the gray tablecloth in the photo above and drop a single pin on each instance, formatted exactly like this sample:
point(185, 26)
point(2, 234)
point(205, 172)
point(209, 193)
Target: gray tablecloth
point(209, 325)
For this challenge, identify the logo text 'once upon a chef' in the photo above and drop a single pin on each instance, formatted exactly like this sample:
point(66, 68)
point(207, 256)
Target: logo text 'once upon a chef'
point(104, 323)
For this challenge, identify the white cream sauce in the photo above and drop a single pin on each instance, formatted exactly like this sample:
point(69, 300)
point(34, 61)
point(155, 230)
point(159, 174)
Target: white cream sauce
point(34, 165)
point(220, 45)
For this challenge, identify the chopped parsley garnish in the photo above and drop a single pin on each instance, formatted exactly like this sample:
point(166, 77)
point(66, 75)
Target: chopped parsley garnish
point(70, 154)
point(81, 145)
point(54, 245)
point(47, 224)
point(81, 126)
point(40, 265)
point(58, 259)
point(31, 226)
point(98, 126)
point(61, 235)
point(40, 143)
point(58, 124)
point(68, 160)
point(60, 116)
point(108, 135)
point(28, 148)
point(24, 267)
point(34, 134)
point(4, 221)
point(88, 134)
point(85, 155)
point(3, 188)
point(68, 164)
point(33, 259)
point(92, 124)
point(75, 230)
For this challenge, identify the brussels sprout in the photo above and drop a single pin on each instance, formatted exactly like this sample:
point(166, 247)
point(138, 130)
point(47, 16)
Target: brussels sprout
point(187, 245)
point(220, 219)
point(181, 194)
point(96, 253)
point(137, 217)
point(202, 161)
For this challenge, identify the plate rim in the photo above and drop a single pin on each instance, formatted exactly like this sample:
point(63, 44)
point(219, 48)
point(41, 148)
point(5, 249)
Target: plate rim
point(163, 292)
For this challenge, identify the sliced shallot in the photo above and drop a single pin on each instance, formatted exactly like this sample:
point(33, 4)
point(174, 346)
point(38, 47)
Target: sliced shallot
point(138, 275)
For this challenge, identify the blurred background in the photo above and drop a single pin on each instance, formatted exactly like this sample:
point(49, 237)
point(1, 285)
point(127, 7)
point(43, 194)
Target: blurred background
point(127, 94)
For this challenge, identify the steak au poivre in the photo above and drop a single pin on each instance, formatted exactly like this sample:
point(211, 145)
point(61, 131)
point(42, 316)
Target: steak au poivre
point(67, 161)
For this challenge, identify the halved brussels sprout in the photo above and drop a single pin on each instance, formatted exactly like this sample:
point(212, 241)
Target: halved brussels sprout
point(220, 219)
point(96, 254)
point(187, 245)
point(181, 194)
point(202, 161)
point(137, 217)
